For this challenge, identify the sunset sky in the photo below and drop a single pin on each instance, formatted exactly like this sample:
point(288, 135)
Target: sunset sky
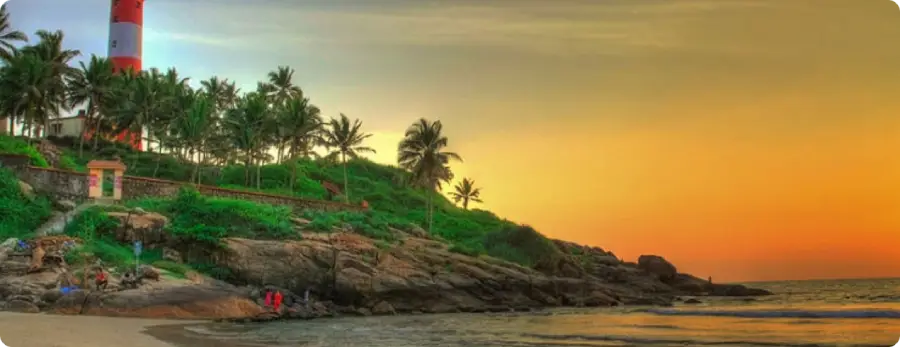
point(740, 139)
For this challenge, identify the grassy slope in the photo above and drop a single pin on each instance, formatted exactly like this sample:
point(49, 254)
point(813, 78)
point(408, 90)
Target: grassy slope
point(392, 203)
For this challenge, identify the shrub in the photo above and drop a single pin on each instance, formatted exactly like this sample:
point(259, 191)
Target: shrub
point(13, 145)
point(19, 215)
point(523, 245)
point(208, 220)
point(96, 229)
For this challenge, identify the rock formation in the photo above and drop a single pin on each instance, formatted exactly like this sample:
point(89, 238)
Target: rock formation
point(344, 273)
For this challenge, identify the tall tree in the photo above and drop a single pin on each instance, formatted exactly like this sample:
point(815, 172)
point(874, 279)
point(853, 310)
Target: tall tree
point(24, 87)
point(140, 99)
point(50, 49)
point(245, 125)
point(302, 124)
point(194, 127)
point(92, 87)
point(283, 88)
point(465, 191)
point(422, 153)
point(8, 36)
point(345, 140)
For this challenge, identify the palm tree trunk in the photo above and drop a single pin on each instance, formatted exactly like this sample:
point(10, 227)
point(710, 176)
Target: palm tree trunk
point(196, 176)
point(258, 174)
point(96, 134)
point(466, 203)
point(430, 210)
point(84, 127)
point(247, 171)
point(293, 163)
point(346, 185)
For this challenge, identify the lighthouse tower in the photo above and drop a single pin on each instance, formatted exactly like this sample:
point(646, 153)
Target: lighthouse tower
point(126, 24)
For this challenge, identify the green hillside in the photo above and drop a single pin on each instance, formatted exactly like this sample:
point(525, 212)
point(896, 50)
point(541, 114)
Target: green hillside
point(393, 203)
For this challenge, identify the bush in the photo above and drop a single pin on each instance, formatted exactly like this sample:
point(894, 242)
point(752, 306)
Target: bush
point(19, 215)
point(208, 220)
point(13, 145)
point(523, 245)
point(96, 229)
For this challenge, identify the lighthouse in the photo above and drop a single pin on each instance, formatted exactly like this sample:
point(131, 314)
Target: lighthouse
point(126, 22)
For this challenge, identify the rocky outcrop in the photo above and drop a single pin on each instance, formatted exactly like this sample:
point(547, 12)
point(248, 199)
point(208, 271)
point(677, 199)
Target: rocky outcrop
point(343, 273)
point(141, 226)
point(173, 300)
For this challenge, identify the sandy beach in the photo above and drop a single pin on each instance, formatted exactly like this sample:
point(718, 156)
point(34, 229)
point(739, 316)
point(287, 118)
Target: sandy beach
point(43, 330)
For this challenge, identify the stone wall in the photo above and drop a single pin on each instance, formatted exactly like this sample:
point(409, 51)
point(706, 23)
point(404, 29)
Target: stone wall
point(142, 187)
point(72, 185)
point(62, 184)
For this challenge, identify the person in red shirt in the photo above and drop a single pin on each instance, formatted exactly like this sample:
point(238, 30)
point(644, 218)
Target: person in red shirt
point(268, 298)
point(278, 299)
point(100, 280)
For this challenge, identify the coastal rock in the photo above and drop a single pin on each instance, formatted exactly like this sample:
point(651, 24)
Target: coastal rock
point(173, 300)
point(658, 266)
point(144, 227)
point(352, 271)
point(21, 306)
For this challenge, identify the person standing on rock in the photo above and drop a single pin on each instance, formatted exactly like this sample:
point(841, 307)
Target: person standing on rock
point(268, 298)
point(278, 299)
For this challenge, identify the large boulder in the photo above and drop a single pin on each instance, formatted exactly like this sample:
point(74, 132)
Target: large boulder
point(141, 226)
point(209, 300)
point(658, 266)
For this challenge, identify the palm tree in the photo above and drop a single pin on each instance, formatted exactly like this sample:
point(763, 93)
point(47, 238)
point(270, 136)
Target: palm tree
point(50, 49)
point(465, 191)
point(8, 36)
point(24, 87)
point(245, 125)
point(92, 85)
point(140, 99)
point(283, 88)
point(302, 125)
point(421, 153)
point(193, 127)
point(344, 140)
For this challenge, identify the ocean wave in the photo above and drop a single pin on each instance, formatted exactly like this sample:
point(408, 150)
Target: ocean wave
point(809, 314)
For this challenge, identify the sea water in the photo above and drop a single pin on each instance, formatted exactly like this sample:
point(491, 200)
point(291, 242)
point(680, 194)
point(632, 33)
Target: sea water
point(802, 313)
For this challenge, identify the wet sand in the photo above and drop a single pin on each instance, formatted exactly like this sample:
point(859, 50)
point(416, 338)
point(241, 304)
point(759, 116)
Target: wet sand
point(43, 330)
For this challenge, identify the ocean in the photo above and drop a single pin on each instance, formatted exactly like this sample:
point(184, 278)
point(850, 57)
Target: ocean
point(802, 313)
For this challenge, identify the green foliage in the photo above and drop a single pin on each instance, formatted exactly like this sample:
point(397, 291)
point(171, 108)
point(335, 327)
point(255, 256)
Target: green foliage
point(372, 224)
point(523, 245)
point(14, 145)
point(96, 229)
point(208, 220)
point(19, 215)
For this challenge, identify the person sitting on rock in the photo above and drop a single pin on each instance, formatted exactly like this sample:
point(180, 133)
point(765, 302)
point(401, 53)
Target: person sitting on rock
point(100, 280)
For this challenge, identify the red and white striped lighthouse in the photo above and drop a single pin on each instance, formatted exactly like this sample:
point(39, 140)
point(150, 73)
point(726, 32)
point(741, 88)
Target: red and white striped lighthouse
point(126, 24)
point(125, 34)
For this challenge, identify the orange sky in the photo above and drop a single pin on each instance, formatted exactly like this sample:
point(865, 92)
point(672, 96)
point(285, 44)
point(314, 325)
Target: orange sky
point(741, 139)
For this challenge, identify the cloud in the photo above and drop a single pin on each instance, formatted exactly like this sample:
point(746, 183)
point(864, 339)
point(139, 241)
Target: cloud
point(564, 27)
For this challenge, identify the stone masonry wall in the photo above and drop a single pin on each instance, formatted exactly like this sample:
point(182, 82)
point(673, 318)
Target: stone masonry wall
point(71, 185)
point(62, 184)
point(140, 187)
